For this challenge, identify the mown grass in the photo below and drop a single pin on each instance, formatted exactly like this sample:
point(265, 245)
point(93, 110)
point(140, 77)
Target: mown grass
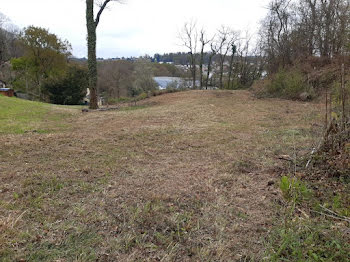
point(183, 180)
point(50, 235)
point(308, 240)
point(18, 116)
point(79, 244)
point(132, 108)
point(311, 228)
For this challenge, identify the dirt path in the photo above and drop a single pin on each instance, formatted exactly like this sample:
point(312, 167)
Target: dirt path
point(189, 177)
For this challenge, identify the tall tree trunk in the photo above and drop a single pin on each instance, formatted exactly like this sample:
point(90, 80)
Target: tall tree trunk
point(118, 89)
point(193, 69)
point(209, 69)
point(231, 66)
point(312, 6)
point(189, 39)
point(230, 72)
point(221, 73)
point(201, 60)
point(201, 67)
point(92, 63)
point(211, 56)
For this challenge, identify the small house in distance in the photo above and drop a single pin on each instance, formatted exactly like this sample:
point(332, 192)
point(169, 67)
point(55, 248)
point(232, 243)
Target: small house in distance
point(6, 91)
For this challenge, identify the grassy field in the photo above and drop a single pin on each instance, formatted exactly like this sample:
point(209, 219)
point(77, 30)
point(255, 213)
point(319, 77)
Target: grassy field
point(190, 176)
point(20, 116)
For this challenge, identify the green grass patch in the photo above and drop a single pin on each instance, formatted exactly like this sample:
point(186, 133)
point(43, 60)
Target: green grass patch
point(18, 116)
point(312, 235)
point(79, 243)
point(294, 190)
point(132, 108)
point(306, 240)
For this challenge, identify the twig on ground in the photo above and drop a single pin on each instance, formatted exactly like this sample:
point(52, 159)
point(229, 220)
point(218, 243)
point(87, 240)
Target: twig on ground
point(332, 214)
point(18, 218)
point(314, 150)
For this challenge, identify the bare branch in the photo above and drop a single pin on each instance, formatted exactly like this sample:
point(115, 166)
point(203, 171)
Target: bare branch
point(97, 20)
point(103, 6)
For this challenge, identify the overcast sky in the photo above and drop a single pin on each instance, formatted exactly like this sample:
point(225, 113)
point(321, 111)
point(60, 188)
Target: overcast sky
point(136, 27)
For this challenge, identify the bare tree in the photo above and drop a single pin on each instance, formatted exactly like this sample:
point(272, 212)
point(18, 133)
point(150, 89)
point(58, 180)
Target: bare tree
point(213, 52)
point(295, 30)
point(204, 41)
point(189, 38)
point(233, 52)
point(3, 19)
point(225, 38)
point(8, 38)
point(308, 14)
point(247, 69)
point(91, 24)
point(246, 63)
point(115, 78)
point(333, 24)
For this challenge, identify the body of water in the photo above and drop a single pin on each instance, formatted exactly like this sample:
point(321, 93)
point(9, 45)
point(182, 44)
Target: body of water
point(166, 81)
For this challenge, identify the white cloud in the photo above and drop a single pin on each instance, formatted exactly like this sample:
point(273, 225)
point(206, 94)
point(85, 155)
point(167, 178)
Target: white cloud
point(136, 27)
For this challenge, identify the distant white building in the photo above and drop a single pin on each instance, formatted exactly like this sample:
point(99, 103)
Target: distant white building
point(86, 100)
point(2, 84)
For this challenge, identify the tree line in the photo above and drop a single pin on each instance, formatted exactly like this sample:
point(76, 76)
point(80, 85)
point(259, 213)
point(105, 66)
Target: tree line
point(306, 45)
point(36, 63)
point(292, 31)
point(39, 66)
point(226, 59)
point(295, 30)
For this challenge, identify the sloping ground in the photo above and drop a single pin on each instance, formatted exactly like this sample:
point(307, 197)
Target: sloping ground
point(19, 116)
point(188, 177)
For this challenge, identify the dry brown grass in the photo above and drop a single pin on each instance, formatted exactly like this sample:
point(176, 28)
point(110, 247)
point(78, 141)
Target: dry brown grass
point(185, 178)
